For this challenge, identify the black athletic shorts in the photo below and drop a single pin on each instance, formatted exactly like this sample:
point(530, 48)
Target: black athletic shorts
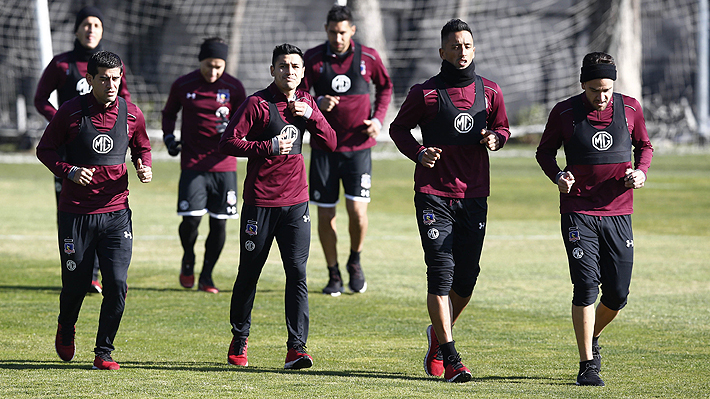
point(452, 232)
point(213, 192)
point(600, 251)
point(354, 168)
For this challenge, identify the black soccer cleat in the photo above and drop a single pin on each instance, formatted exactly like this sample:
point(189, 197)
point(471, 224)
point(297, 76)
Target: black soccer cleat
point(335, 282)
point(589, 376)
point(357, 283)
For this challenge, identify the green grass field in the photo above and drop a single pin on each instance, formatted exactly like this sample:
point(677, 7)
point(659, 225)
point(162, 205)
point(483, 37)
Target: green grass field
point(516, 336)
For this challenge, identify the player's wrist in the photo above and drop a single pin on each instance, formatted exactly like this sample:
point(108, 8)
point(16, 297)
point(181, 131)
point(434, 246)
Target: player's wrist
point(275, 150)
point(559, 175)
point(420, 155)
point(377, 123)
point(309, 112)
point(72, 172)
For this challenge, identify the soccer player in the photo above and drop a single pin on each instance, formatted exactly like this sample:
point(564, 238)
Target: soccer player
point(268, 129)
point(599, 129)
point(461, 116)
point(208, 181)
point(66, 74)
point(341, 71)
point(94, 218)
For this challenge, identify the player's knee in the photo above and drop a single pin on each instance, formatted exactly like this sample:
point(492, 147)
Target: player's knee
point(464, 287)
point(217, 223)
point(439, 287)
point(190, 222)
point(615, 300)
point(585, 294)
point(115, 287)
point(440, 272)
point(439, 280)
point(295, 273)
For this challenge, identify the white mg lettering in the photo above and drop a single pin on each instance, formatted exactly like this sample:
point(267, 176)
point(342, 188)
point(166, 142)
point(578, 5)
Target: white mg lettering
point(289, 132)
point(102, 144)
point(602, 141)
point(341, 84)
point(83, 87)
point(463, 123)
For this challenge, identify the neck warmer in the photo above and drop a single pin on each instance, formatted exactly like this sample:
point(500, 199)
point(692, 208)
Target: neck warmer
point(457, 77)
point(82, 53)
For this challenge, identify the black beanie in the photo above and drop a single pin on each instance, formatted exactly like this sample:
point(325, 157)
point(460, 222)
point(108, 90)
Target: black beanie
point(88, 11)
point(213, 49)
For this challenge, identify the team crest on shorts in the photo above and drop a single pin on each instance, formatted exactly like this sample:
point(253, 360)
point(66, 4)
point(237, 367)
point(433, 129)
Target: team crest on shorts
point(428, 217)
point(69, 246)
point(573, 234)
point(71, 265)
point(184, 205)
point(231, 197)
point(223, 96)
point(251, 227)
point(366, 181)
point(577, 253)
point(433, 233)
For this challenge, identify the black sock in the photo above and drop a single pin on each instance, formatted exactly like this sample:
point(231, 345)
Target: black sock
point(213, 247)
point(448, 351)
point(188, 231)
point(354, 257)
point(595, 341)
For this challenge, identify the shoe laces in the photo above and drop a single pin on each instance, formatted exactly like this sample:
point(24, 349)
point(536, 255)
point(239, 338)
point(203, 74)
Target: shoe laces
point(595, 349)
point(105, 356)
point(455, 361)
point(591, 368)
point(334, 274)
point(355, 270)
point(238, 346)
point(299, 347)
point(438, 355)
point(67, 335)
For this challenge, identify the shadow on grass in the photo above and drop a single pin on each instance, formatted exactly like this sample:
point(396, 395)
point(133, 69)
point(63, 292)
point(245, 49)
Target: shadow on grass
point(56, 288)
point(511, 379)
point(313, 291)
point(16, 364)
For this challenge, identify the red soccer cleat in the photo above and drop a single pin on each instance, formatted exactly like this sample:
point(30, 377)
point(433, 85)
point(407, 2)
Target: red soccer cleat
point(96, 287)
point(298, 358)
point(433, 361)
point(237, 354)
point(64, 342)
point(187, 281)
point(103, 361)
point(456, 371)
point(207, 288)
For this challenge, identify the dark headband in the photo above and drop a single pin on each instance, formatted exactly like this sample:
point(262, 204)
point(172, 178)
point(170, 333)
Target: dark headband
point(597, 71)
point(213, 50)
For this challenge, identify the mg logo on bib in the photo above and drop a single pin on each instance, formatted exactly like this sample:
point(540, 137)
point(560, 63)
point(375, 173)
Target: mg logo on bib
point(602, 141)
point(83, 87)
point(463, 123)
point(103, 144)
point(289, 132)
point(341, 84)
